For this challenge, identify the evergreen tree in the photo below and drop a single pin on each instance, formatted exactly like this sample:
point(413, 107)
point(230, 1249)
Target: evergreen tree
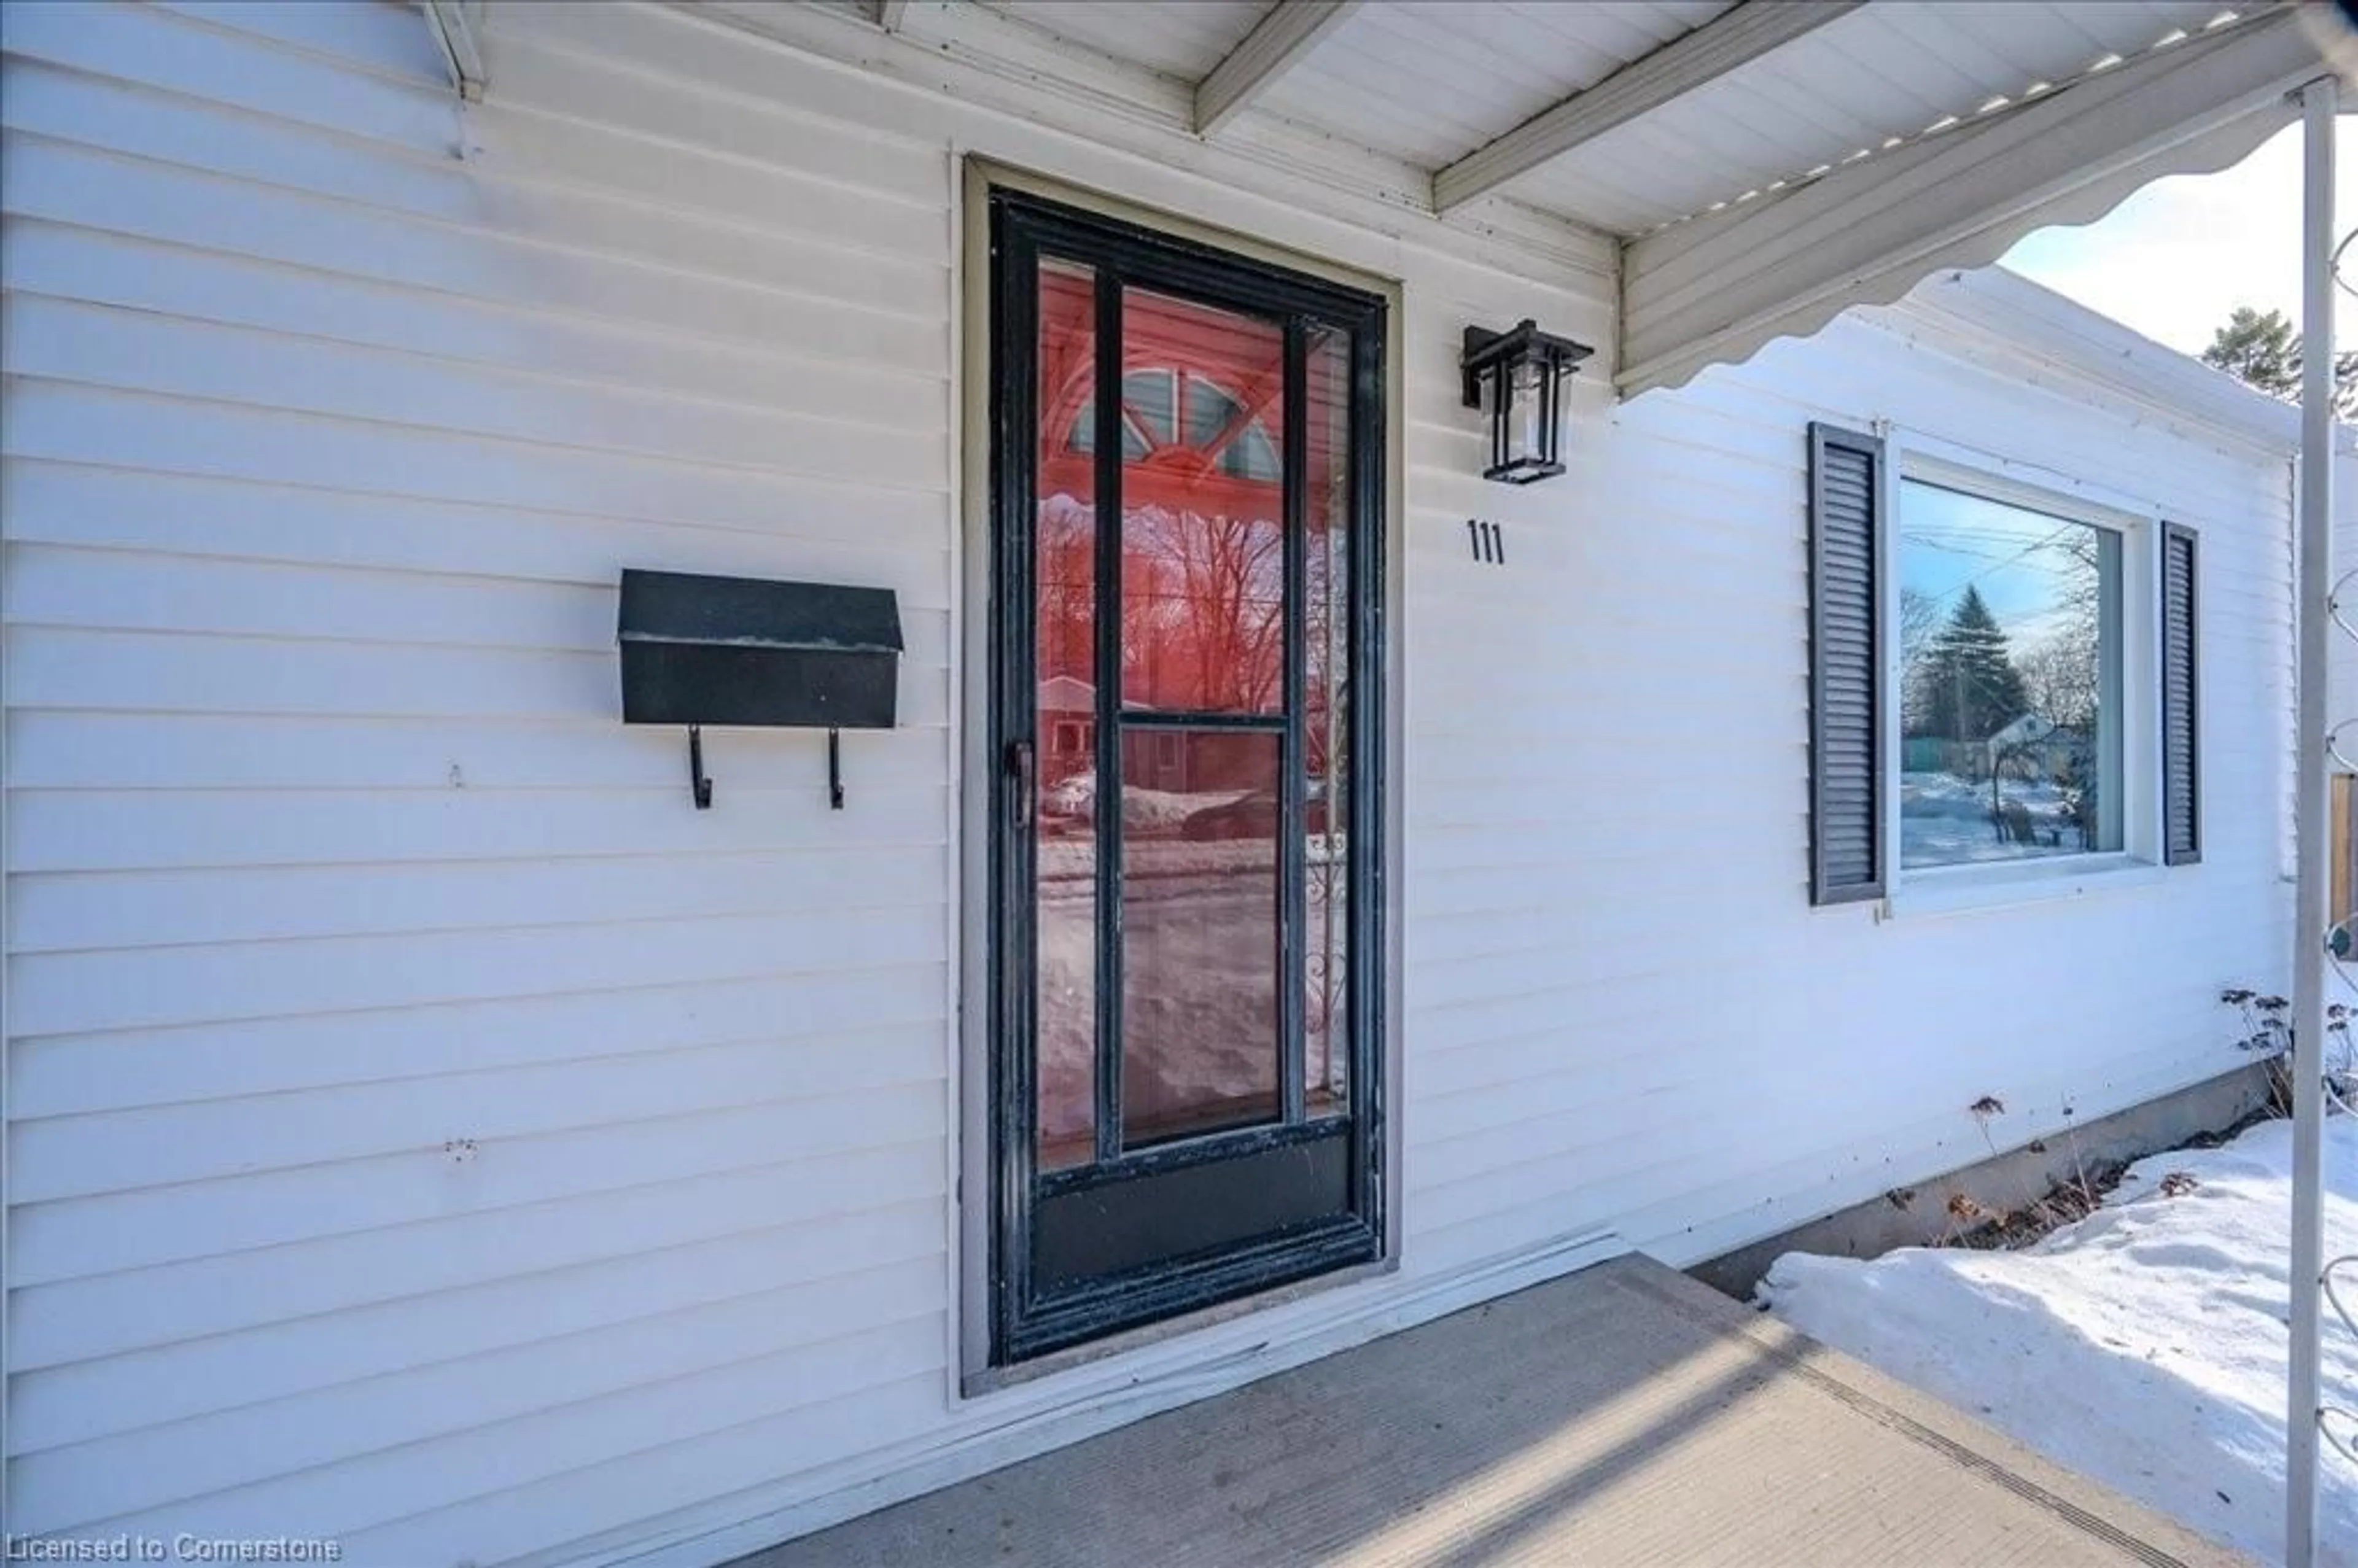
point(1971, 689)
point(2261, 350)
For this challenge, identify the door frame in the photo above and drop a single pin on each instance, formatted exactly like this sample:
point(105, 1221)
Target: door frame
point(974, 1156)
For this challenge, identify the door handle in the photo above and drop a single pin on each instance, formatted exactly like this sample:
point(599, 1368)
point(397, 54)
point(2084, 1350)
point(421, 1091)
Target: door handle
point(1022, 768)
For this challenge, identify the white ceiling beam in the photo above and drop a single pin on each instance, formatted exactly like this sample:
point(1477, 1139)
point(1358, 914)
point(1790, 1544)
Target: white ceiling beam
point(456, 26)
point(1096, 119)
point(892, 14)
point(1278, 43)
point(1726, 42)
point(1715, 289)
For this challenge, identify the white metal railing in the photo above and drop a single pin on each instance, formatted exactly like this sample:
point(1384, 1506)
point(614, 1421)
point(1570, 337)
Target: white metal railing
point(2344, 1443)
point(2308, 1424)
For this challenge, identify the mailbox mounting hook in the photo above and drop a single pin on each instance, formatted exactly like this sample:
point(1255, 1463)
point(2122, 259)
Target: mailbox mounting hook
point(698, 782)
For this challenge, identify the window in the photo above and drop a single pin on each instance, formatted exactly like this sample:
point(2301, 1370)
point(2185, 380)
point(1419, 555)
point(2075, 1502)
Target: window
point(2010, 682)
point(1218, 433)
point(2004, 679)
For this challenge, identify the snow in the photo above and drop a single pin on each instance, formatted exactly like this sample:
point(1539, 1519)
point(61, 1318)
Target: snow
point(1944, 820)
point(1142, 810)
point(1199, 937)
point(2144, 1347)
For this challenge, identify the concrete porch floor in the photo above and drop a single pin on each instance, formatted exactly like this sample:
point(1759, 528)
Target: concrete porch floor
point(1624, 1414)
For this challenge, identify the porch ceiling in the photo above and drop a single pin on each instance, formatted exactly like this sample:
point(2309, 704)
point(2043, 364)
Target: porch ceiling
point(1428, 81)
point(1629, 123)
point(1185, 40)
point(1889, 70)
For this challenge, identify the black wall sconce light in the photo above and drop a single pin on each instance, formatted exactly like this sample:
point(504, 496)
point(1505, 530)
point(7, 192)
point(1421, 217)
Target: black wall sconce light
point(1517, 377)
point(741, 651)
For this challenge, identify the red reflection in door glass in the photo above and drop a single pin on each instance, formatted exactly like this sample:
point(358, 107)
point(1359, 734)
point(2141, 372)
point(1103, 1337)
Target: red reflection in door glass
point(1064, 702)
point(1326, 722)
point(1203, 498)
point(1200, 962)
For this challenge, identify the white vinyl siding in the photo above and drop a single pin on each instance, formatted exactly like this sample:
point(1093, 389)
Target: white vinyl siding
point(425, 1128)
point(414, 1107)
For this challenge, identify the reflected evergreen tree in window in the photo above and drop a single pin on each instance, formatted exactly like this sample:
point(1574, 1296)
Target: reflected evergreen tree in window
point(2009, 632)
point(1969, 687)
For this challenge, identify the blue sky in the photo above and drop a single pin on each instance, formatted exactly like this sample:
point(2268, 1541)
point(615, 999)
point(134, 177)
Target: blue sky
point(2176, 258)
point(1951, 540)
point(2172, 262)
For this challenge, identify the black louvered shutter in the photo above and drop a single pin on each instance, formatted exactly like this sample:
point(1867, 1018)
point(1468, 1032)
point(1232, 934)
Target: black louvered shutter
point(2181, 772)
point(1847, 768)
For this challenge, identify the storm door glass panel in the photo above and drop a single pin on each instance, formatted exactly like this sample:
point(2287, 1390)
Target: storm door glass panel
point(1185, 462)
point(1202, 508)
point(1064, 634)
point(1199, 924)
point(1327, 723)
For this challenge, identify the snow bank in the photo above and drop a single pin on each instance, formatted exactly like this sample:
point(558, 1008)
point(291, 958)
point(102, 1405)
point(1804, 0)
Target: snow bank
point(2144, 1347)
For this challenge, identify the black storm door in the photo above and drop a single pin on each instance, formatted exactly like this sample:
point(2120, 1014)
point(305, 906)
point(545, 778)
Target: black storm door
point(1186, 473)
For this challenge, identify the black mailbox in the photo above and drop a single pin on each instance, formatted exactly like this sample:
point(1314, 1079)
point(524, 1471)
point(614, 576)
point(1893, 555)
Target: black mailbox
point(718, 650)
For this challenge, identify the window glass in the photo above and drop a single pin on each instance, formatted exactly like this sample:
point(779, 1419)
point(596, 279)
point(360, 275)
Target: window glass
point(1223, 433)
point(1203, 510)
point(1064, 656)
point(2009, 629)
point(1148, 412)
point(1326, 730)
point(1201, 870)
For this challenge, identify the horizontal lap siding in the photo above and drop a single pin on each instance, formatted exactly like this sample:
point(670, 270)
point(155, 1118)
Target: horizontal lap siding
point(1626, 1012)
point(334, 412)
point(425, 1128)
point(416, 1106)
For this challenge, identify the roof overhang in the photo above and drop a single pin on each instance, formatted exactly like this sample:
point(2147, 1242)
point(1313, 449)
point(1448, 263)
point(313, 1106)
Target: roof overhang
point(1716, 288)
point(1744, 171)
point(2007, 323)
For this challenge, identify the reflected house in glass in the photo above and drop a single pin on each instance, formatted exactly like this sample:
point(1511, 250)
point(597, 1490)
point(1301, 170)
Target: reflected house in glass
point(1203, 519)
point(1068, 728)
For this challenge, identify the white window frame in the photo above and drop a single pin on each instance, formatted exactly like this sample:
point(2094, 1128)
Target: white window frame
point(2139, 862)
